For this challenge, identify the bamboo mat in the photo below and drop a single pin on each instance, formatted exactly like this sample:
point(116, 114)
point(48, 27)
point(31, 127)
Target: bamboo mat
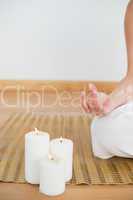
point(86, 170)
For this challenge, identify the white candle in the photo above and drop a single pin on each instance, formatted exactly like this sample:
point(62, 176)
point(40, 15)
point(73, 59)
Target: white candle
point(36, 147)
point(52, 180)
point(63, 148)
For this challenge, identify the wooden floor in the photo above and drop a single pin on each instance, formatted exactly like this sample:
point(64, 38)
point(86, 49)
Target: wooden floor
point(11, 191)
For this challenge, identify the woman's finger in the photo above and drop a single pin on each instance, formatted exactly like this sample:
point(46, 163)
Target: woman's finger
point(93, 105)
point(93, 100)
point(83, 102)
point(92, 90)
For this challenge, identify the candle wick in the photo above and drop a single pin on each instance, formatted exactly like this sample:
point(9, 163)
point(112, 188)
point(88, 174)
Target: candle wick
point(51, 157)
point(61, 139)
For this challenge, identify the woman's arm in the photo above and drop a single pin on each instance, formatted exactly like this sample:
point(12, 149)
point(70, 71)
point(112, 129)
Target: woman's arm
point(124, 92)
point(129, 37)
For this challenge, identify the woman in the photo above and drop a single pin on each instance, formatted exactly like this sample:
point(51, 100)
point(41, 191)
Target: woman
point(100, 105)
point(112, 132)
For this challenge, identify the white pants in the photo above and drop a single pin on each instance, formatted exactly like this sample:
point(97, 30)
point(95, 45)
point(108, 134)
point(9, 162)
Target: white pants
point(112, 135)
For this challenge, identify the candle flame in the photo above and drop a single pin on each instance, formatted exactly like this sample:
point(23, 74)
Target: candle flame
point(36, 130)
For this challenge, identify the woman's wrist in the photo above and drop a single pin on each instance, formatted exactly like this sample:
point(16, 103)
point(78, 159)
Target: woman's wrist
point(128, 78)
point(129, 75)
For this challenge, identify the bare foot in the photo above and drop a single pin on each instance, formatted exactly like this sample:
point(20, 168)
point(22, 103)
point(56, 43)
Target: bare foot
point(101, 103)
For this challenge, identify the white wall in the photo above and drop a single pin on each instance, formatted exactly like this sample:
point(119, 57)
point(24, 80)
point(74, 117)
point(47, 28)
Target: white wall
point(62, 39)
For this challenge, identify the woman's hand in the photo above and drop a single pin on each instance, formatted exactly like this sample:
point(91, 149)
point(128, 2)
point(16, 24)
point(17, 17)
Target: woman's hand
point(94, 102)
point(100, 103)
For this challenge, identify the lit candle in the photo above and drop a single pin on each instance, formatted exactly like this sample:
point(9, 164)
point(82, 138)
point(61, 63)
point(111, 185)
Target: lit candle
point(52, 180)
point(36, 146)
point(63, 148)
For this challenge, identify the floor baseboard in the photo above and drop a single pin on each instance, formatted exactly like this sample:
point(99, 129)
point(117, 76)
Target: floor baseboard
point(52, 85)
